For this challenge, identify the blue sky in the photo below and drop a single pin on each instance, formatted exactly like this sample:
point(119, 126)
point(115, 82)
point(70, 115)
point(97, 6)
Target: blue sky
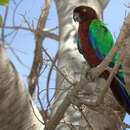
point(114, 15)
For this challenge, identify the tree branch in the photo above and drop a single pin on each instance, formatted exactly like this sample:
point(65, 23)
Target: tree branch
point(38, 60)
point(94, 73)
point(43, 33)
point(4, 22)
point(48, 34)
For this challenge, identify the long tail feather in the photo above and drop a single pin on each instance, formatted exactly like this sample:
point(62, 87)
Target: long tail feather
point(121, 94)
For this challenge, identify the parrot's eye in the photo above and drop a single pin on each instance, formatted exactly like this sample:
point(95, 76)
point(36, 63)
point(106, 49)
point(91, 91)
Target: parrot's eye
point(84, 10)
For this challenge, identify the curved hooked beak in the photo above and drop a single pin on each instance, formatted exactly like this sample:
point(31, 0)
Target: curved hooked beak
point(76, 17)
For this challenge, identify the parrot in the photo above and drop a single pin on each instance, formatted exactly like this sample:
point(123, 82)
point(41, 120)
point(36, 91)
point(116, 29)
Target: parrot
point(94, 42)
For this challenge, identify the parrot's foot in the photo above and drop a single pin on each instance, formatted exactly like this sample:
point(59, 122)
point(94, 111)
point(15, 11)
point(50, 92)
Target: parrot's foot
point(89, 76)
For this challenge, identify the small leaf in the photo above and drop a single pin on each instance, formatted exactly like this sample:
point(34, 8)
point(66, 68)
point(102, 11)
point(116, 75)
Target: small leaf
point(4, 2)
point(0, 20)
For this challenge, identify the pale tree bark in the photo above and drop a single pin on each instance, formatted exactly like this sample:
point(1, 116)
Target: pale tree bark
point(17, 110)
point(72, 65)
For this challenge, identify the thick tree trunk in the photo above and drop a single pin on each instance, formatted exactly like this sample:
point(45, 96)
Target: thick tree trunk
point(17, 110)
point(72, 64)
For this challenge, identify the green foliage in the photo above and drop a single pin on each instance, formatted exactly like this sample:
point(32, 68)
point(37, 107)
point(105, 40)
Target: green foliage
point(4, 2)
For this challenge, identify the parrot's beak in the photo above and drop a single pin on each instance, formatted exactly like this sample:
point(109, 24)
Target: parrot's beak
point(76, 17)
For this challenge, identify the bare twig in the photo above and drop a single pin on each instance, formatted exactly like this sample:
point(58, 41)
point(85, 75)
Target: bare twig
point(81, 111)
point(44, 33)
point(50, 35)
point(127, 5)
point(20, 61)
point(48, 79)
point(9, 34)
point(14, 12)
point(47, 33)
point(44, 114)
point(124, 70)
point(18, 27)
point(26, 21)
point(38, 60)
point(58, 70)
point(35, 113)
point(50, 29)
point(4, 22)
point(18, 50)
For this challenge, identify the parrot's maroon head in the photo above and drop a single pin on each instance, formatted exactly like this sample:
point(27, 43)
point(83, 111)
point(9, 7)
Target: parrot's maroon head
point(84, 13)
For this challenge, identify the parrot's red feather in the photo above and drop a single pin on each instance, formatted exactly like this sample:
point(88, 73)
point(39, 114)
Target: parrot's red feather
point(89, 51)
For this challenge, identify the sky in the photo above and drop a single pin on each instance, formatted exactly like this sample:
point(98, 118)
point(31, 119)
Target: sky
point(114, 15)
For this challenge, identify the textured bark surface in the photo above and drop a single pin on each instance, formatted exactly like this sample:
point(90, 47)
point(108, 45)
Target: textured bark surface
point(126, 63)
point(17, 110)
point(72, 64)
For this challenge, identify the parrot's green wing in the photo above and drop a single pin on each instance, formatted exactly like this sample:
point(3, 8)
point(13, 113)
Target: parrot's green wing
point(102, 40)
